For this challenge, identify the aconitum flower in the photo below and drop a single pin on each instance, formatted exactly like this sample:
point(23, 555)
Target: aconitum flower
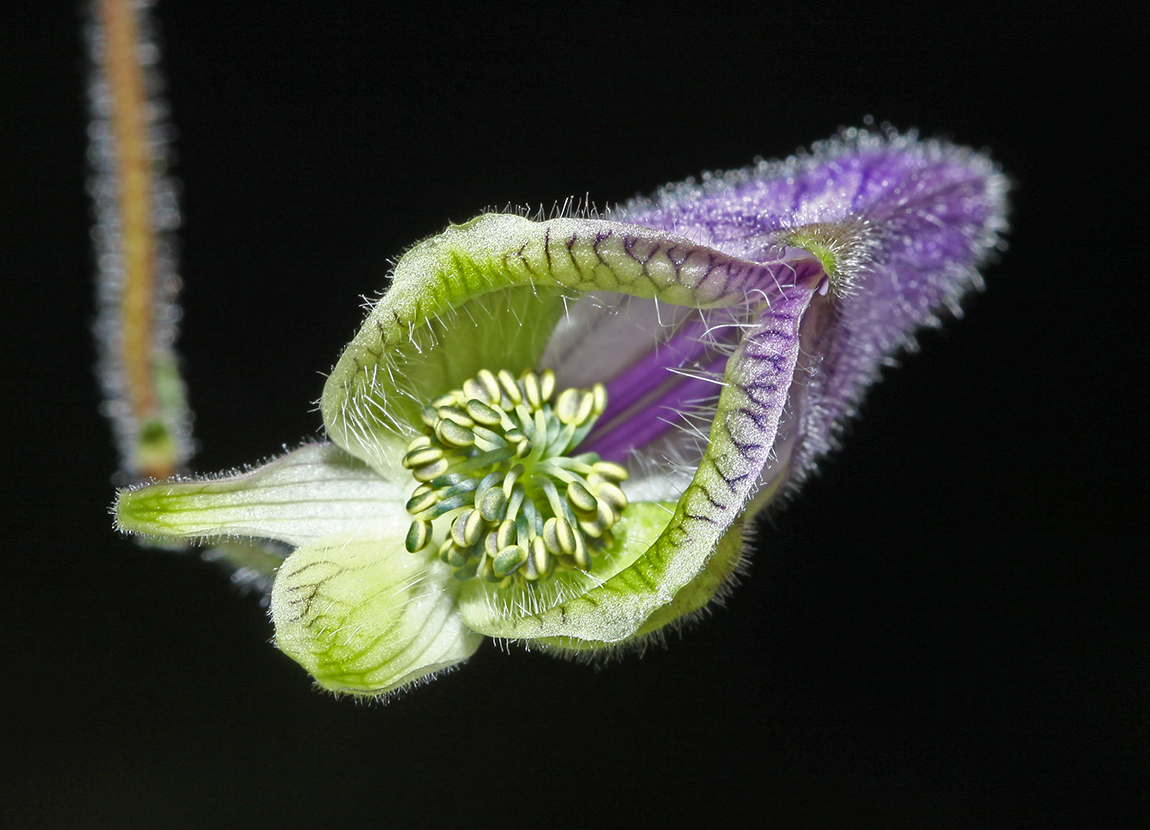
point(559, 432)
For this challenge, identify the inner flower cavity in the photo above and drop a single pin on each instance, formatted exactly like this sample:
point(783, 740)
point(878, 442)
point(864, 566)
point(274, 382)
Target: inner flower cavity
point(495, 458)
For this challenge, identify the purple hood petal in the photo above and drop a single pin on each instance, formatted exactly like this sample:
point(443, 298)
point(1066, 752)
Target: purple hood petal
point(932, 212)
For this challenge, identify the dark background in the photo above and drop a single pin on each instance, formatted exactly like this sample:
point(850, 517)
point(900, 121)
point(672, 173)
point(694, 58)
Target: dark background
point(946, 627)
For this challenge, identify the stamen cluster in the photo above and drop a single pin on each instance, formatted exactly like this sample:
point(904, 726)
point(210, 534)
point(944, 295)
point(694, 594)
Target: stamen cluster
point(495, 457)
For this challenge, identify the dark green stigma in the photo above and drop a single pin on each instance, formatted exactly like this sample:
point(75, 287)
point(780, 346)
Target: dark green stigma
point(495, 459)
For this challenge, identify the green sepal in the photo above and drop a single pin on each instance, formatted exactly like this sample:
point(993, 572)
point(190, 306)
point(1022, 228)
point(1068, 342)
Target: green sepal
point(688, 603)
point(363, 616)
point(297, 498)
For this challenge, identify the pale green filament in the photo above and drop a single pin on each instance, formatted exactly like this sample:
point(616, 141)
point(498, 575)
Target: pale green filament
point(494, 458)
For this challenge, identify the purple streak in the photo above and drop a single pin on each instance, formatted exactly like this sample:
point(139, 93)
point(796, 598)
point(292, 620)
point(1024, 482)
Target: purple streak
point(644, 377)
point(658, 416)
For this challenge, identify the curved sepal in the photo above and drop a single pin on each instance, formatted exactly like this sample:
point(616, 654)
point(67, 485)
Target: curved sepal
point(363, 616)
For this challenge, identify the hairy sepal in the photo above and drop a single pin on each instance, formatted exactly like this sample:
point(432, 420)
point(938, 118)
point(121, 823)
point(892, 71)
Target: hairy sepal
point(297, 498)
point(365, 617)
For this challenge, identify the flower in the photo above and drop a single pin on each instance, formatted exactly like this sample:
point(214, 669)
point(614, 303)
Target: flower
point(557, 432)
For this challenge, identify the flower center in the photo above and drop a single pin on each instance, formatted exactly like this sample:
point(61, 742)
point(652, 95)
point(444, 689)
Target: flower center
point(495, 457)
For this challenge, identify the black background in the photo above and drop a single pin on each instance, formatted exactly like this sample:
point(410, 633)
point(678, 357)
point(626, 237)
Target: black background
point(945, 629)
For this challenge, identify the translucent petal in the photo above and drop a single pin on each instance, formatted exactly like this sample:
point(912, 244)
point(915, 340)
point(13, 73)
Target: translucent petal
point(297, 498)
point(366, 617)
point(662, 364)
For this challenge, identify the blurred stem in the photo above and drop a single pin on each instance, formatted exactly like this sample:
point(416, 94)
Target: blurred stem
point(126, 79)
point(136, 210)
point(137, 280)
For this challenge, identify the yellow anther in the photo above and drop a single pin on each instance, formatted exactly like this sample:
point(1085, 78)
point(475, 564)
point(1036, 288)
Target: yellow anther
point(474, 390)
point(424, 498)
point(454, 413)
point(492, 503)
point(586, 405)
point(528, 571)
point(467, 529)
point(565, 535)
point(547, 384)
point(551, 536)
point(419, 441)
point(581, 499)
point(506, 534)
point(611, 494)
point(544, 562)
point(568, 404)
point(532, 391)
point(481, 413)
point(490, 385)
point(421, 457)
point(581, 554)
point(591, 528)
point(599, 397)
point(445, 549)
point(418, 536)
point(611, 470)
point(509, 387)
point(508, 560)
point(453, 434)
point(456, 556)
point(606, 515)
point(431, 470)
point(473, 527)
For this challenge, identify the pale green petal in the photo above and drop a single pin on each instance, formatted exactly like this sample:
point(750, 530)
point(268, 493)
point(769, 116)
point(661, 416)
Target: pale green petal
point(307, 494)
point(651, 580)
point(364, 616)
